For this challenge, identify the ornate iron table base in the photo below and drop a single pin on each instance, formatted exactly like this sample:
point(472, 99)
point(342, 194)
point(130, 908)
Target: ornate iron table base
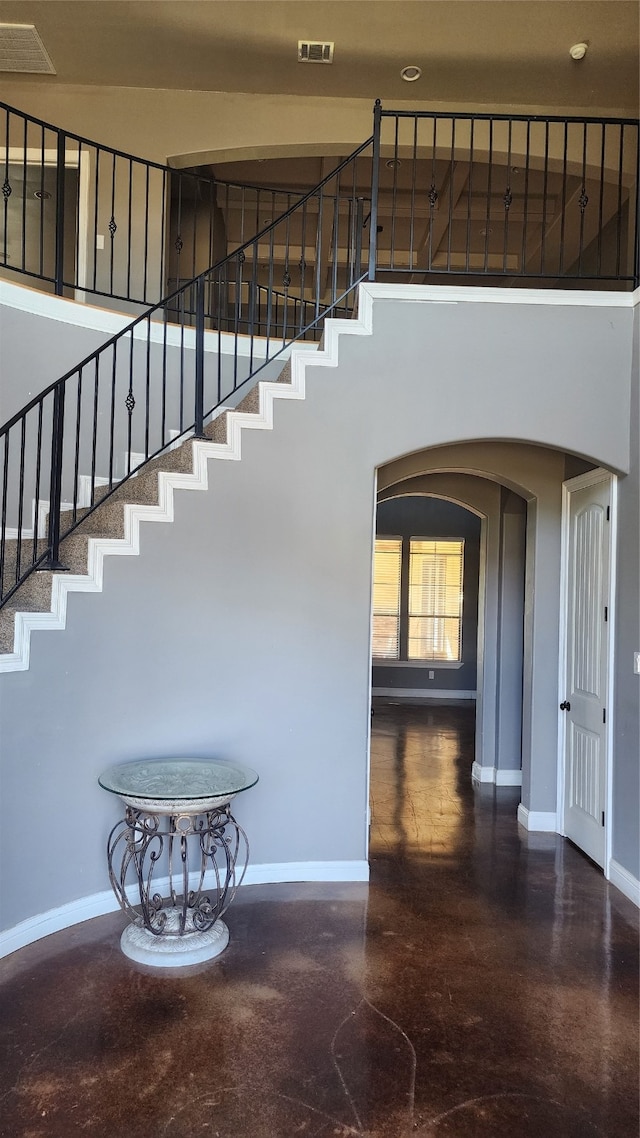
point(200, 851)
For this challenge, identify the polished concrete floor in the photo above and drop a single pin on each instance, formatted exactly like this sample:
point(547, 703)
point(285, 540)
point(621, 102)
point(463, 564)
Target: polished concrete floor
point(484, 986)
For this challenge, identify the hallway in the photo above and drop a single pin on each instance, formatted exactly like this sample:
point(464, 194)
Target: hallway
point(484, 985)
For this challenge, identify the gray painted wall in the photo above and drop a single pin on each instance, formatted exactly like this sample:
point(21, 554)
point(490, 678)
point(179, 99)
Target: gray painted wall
point(243, 630)
point(419, 516)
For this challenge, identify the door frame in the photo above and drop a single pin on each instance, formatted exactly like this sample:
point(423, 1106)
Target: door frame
point(591, 478)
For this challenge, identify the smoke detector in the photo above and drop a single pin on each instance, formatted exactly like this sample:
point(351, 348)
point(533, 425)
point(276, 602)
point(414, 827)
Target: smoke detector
point(21, 49)
point(315, 51)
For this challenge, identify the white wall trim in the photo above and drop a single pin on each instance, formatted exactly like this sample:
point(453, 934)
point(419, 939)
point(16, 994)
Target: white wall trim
point(477, 294)
point(98, 904)
point(542, 821)
point(496, 775)
point(624, 881)
point(425, 693)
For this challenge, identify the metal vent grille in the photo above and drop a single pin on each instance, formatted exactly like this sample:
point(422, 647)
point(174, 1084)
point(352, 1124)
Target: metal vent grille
point(21, 49)
point(314, 52)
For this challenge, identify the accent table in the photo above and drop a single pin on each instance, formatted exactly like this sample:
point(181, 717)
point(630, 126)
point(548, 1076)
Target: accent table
point(177, 820)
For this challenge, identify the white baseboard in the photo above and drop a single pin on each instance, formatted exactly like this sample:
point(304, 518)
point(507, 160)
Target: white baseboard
point(424, 693)
point(624, 881)
point(543, 821)
point(508, 777)
point(496, 775)
point(97, 904)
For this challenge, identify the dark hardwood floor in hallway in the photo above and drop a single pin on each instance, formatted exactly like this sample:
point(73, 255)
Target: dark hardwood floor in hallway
point(485, 985)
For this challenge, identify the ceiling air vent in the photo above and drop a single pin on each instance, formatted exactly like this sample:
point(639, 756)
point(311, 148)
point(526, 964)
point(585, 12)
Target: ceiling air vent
point(21, 49)
point(312, 52)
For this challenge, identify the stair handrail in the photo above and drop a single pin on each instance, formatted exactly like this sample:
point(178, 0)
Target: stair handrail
point(328, 230)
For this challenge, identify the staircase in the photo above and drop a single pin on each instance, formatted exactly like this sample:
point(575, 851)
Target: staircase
point(113, 529)
point(105, 447)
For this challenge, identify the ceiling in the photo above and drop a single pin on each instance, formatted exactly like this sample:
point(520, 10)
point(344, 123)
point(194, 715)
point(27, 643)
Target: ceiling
point(477, 52)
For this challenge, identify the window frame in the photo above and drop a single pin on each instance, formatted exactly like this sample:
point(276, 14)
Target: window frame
point(402, 660)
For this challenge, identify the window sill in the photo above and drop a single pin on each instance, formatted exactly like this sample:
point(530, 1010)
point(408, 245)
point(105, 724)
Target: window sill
point(433, 665)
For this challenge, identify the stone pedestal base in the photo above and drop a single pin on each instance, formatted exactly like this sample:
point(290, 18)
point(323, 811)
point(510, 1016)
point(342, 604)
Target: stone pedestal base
point(171, 950)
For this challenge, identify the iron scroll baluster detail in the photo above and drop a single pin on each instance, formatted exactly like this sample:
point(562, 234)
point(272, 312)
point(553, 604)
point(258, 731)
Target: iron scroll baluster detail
point(583, 200)
point(112, 227)
point(130, 402)
point(187, 846)
point(508, 198)
point(433, 195)
point(6, 189)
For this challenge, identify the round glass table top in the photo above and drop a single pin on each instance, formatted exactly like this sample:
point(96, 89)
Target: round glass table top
point(177, 779)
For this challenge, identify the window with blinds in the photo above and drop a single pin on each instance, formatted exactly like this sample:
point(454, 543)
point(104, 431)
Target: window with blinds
point(417, 599)
point(435, 600)
point(386, 598)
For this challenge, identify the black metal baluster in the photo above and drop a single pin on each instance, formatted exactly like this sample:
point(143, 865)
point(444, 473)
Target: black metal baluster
point(600, 201)
point(60, 180)
point(470, 193)
point(432, 194)
point(394, 197)
point(24, 195)
point(23, 433)
point(452, 166)
point(129, 233)
point(94, 434)
point(163, 413)
point(164, 285)
point(412, 207)
point(36, 502)
point(583, 200)
point(336, 246)
point(42, 201)
point(544, 198)
point(564, 199)
point(487, 228)
point(6, 189)
point(507, 199)
point(130, 403)
point(95, 220)
point(619, 218)
point(78, 219)
point(112, 220)
point(76, 468)
point(147, 388)
point(55, 484)
point(112, 418)
point(375, 182)
point(523, 266)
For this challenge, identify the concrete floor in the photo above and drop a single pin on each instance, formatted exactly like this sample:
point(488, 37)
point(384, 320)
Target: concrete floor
point(485, 985)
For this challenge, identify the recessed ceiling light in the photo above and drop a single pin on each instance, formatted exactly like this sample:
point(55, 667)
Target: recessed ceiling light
point(578, 51)
point(393, 163)
point(41, 195)
point(411, 73)
point(486, 230)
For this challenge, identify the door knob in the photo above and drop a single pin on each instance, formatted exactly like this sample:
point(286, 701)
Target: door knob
point(565, 705)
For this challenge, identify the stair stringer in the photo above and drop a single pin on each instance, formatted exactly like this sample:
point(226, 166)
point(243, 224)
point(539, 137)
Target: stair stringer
point(168, 482)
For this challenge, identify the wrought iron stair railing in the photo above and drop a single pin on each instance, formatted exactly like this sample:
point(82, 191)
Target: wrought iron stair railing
point(164, 376)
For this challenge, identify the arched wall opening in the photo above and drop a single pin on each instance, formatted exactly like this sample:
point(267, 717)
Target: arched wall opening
point(516, 490)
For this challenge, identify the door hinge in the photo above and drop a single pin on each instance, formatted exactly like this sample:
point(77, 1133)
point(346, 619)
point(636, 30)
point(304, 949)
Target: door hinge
point(606, 613)
point(608, 513)
point(603, 817)
point(604, 715)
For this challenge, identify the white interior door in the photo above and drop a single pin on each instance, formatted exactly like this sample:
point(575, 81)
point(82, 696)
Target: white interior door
point(584, 703)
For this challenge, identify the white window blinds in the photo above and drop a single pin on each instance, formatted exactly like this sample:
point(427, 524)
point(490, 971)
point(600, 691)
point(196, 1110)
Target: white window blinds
point(386, 598)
